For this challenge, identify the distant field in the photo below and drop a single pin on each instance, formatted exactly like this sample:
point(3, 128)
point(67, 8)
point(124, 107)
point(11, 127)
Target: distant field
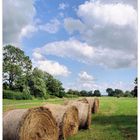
point(13, 104)
point(116, 120)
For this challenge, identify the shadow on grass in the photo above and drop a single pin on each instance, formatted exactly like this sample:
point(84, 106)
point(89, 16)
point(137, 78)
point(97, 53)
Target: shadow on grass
point(126, 124)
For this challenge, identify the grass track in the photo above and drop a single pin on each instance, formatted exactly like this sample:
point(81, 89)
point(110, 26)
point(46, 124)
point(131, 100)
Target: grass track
point(116, 119)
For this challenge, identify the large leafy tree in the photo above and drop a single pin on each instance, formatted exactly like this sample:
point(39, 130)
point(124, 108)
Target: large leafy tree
point(118, 92)
point(83, 93)
point(37, 84)
point(73, 92)
point(90, 93)
point(54, 86)
point(97, 93)
point(15, 65)
point(110, 91)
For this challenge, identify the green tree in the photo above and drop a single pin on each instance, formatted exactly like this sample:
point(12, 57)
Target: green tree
point(127, 94)
point(97, 93)
point(15, 64)
point(73, 92)
point(110, 91)
point(90, 93)
point(83, 93)
point(37, 84)
point(118, 93)
point(70, 91)
point(54, 86)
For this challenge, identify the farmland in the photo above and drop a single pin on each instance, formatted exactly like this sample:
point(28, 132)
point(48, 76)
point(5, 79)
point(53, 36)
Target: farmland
point(116, 119)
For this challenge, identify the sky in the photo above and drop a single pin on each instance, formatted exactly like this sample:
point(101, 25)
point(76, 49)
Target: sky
point(86, 44)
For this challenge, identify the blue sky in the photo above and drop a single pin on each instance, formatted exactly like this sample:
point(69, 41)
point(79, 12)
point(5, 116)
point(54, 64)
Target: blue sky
point(85, 44)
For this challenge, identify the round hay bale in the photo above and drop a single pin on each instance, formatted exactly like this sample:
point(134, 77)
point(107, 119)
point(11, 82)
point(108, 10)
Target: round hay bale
point(29, 124)
point(93, 102)
point(96, 105)
point(66, 118)
point(89, 101)
point(84, 113)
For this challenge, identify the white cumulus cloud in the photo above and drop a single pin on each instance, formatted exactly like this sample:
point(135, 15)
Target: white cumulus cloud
point(52, 67)
point(132, 3)
point(72, 49)
point(28, 30)
point(49, 66)
point(19, 21)
point(84, 53)
point(16, 15)
point(85, 77)
point(116, 14)
point(110, 28)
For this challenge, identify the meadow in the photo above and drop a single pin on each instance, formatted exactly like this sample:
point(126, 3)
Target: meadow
point(116, 119)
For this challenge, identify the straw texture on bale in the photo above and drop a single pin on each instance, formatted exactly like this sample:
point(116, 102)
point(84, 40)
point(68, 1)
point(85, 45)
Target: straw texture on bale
point(93, 102)
point(89, 101)
point(66, 118)
point(84, 113)
point(29, 124)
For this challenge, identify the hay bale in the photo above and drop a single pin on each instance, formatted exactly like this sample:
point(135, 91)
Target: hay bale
point(66, 118)
point(96, 105)
point(93, 102)
point(89, 101)
point(29, 124)
point(84, 113)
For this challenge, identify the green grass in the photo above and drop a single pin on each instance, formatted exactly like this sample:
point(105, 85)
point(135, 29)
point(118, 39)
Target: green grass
point(116, 119)
point(14, 104)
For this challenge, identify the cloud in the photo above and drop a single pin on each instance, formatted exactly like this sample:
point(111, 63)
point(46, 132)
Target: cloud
point(84, 77)
point(16, 15)
point(84, 53)
point(115, 59)
point(50, 27)
point(133, 3)
point(110, 26)
point(49, 66)
point(84, 81)
point(37, 56)
point(19, 21)
point(72, 25)
point(63, 6)
point(28, 30)
point(72, 49)
point(52, 67)
point(114, 14)
point(110, 29)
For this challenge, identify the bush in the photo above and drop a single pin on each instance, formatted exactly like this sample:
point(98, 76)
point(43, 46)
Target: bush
point(46, 96)
point(52, 96)
point(8, 94)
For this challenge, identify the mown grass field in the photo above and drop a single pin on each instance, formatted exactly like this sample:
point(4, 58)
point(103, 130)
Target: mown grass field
point(116, 119)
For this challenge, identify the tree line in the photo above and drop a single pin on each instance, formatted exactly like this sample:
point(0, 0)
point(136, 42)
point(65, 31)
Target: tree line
point(19, 76)
point(22, 81)
point(84, 92)
point(109, 91)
